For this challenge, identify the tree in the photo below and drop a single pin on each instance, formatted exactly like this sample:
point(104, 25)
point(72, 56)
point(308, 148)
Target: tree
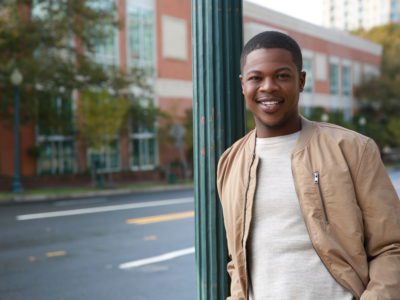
point(102, 117)
point(53, 43)
point(380, 96)
point(394, 128)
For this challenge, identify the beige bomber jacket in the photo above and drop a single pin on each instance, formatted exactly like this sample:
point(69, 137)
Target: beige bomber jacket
point(349, 205)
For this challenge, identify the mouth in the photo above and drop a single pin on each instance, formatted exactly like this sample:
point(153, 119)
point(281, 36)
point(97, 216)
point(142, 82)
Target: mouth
point(270, 104)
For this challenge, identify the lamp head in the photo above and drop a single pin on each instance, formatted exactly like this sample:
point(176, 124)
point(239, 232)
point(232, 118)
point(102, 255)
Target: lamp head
point(16, 77)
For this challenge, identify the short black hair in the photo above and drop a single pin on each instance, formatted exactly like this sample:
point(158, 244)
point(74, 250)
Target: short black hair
point(273, 39)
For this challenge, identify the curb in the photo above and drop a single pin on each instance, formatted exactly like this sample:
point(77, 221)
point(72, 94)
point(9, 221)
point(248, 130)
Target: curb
point(90, 194)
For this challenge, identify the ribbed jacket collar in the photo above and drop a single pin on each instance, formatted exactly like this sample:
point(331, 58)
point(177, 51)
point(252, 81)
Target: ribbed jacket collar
point(307, 130)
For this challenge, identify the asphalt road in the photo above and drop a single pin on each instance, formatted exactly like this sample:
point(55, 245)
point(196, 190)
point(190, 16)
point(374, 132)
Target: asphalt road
point(99, 248)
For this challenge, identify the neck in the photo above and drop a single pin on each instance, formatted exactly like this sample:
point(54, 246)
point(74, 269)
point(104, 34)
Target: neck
point(290, 126)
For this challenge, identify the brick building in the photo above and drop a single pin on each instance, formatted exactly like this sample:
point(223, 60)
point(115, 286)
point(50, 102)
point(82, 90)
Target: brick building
point(157, 35)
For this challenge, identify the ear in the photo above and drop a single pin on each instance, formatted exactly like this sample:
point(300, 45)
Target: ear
point(242, 82)
point(302, 80)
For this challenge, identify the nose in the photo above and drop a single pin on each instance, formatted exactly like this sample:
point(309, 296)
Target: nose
point(268, 85)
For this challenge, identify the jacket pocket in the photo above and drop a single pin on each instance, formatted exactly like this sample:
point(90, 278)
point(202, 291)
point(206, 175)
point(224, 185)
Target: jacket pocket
point(321, 196)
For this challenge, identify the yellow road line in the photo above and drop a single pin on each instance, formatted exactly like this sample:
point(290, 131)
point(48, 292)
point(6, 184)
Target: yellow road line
point(161, 218)
point(56, 253)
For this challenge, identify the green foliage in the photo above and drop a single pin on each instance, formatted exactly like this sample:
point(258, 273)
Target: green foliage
point(55, 115)
point(394, 128)
point(370, 127)
point(380, 96)
point(102, 116)
point(53, 44)
point(250, 123)
point(144, 117)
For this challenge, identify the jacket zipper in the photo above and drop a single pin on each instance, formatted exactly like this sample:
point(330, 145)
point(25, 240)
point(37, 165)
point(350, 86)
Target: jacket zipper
point(245, 198)
point(244, 221)
point(321, 197)
point(309, 234)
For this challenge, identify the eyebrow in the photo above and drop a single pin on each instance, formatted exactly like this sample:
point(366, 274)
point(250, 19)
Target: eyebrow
point(277, 70)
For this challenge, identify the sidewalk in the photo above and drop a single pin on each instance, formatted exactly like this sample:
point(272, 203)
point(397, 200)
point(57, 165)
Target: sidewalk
point(41, 195)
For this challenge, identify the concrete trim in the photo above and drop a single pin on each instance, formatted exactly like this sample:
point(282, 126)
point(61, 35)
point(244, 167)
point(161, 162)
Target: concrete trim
point(307, 53)
point(334, 60)
point(173, 88)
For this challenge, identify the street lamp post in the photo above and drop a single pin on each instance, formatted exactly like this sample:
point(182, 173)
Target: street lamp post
point(16, 80)
point(218, 121)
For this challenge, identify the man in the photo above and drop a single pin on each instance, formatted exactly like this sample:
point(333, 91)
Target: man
point(309, 210)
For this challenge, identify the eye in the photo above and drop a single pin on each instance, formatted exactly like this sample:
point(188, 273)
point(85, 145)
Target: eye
point(283, 76)
point(254, 78)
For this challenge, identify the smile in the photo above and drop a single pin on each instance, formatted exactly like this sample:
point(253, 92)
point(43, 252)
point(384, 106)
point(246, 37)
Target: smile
point(270, 105)
point(270, 102)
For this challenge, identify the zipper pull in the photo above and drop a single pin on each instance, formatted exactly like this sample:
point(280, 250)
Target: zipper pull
point(316, 177)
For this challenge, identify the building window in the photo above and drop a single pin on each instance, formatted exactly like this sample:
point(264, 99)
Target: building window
point(106, 49)
point(56, 155)
point(308, 67)
point(394, 10)
point(55, 140)
point(141, 53)
point(140, 26)
point(346, 92)
point(106, 159)
point(334, 79)
point(346, 81)
point(143, 149)
point(320, 67)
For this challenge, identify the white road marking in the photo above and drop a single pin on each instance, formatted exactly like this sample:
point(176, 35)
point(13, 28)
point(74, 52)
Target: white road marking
point(155, 259)
point(101, 209)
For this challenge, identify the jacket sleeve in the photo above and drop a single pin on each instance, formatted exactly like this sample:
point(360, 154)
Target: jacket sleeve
point(222, 172)
point(380, 207)
point(236, 289)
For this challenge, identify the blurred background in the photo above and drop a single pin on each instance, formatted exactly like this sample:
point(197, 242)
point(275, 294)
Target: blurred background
point(96, 150)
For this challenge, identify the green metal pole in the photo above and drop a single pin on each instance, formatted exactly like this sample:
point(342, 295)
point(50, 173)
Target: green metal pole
point(218, 117)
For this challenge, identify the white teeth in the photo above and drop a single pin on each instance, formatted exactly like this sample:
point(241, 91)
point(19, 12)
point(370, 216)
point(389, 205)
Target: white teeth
point(270, 102)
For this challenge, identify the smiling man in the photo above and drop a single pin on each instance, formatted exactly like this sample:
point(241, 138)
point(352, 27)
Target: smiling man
point(309, 210)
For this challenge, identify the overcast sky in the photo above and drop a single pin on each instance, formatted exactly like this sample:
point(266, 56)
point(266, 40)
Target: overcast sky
point(308, 10)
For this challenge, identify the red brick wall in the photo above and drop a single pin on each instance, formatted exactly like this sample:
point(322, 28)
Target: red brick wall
point(173, 69)
point(6, 151)
point(122, 36)
point(27, 141)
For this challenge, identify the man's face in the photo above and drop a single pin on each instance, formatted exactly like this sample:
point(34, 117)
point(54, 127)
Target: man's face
point(271, 84)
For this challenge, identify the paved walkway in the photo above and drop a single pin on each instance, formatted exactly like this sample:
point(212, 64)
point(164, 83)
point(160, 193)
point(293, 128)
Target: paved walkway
point(50, 196)
point(393, 172)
